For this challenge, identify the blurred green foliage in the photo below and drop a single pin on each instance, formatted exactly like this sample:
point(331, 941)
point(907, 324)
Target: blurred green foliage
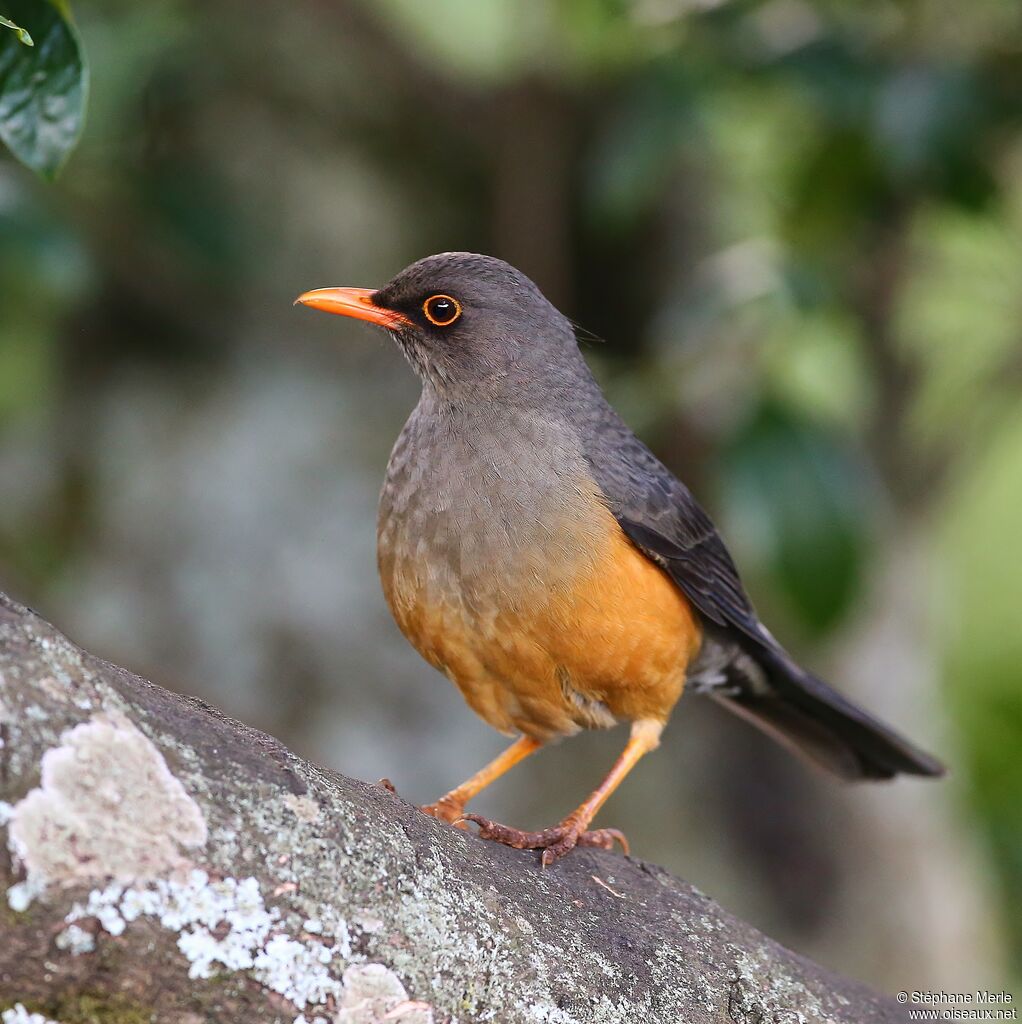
point(981, 528)
point(43, 85)
point(798, 224)
point(802, 496)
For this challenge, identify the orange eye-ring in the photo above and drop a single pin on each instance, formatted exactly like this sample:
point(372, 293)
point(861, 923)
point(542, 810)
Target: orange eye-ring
point(441, 310)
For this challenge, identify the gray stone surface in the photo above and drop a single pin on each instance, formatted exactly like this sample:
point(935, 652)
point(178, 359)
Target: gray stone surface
point(164, 863)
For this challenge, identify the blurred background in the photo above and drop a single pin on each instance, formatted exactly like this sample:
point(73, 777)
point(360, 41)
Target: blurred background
point(798, 226)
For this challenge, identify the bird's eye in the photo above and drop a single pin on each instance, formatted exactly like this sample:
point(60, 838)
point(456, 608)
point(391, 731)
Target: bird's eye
point(441, 310)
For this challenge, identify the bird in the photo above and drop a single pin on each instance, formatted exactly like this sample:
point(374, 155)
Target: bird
point(539, 554)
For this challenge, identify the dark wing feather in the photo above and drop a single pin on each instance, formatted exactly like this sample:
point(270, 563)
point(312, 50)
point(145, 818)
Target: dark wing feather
point(660, 516)
point(702, 568)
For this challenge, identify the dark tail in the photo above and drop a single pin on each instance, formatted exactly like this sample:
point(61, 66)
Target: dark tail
point(811, 719)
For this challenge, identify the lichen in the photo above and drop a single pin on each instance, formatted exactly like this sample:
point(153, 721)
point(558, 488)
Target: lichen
point(85, 1008)
point(21, 894)
point(107, 806)
point(223, 925)
point(304, 807)
point(17, 1014)
point(758, 996)
point(373, 994)
point(76, 940)
point(340, 904)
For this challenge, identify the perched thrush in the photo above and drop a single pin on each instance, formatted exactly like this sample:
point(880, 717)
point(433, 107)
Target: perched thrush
point(538, 554)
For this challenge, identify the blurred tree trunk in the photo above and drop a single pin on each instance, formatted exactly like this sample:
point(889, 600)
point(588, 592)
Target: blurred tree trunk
point(910, 843)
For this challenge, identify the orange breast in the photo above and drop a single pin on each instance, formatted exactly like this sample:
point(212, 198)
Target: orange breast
point(624, 633)
point(578, 631)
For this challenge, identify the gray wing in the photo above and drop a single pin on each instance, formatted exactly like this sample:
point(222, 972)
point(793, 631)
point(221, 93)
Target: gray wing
point(661, 517)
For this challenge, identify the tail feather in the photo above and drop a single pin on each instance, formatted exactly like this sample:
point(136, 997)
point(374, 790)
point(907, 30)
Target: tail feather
point(816, 722)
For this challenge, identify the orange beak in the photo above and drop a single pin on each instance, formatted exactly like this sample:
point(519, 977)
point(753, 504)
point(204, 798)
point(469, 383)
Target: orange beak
point(354, 302)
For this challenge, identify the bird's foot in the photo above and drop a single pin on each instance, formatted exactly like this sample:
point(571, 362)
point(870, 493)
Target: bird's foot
point(554, 842)
point(445, 809)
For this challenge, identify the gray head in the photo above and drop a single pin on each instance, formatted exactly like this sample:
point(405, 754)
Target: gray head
point(472, 327)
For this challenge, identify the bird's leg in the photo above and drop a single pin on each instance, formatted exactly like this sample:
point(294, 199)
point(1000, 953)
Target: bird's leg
point(451, 806)
point(572, 831)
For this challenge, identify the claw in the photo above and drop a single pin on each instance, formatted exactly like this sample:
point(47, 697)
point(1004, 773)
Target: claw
point(555, 842)
point(605, 838)
point(506, 835)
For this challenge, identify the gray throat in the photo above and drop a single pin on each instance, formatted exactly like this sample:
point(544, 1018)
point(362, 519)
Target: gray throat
point(485, 496)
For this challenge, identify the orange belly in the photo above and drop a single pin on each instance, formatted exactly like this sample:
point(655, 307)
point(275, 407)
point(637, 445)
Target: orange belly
point(609, 639)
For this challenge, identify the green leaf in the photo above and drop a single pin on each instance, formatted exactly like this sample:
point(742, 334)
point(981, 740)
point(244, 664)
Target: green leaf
point(23, 36)
point(42, 90)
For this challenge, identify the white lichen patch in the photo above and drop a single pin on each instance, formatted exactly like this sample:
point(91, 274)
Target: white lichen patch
point(373, 994)
point(370, 924)
point(759, 994)
point(303, 807)
point(76, 940)
point(53, 688)
point(224, 926)
point(21, 894)
point(221, 925)
point(17, 1014)
point(107, 807)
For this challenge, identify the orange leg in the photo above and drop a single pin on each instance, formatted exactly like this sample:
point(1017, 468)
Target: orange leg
point(572, 831)
point(451, 806)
